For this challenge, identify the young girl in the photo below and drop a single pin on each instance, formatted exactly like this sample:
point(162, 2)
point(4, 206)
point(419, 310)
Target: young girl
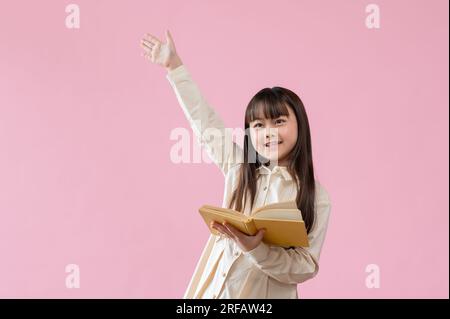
point(235, 265)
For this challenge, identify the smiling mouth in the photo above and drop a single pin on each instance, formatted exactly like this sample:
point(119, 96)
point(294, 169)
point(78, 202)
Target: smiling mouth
point(273, 143)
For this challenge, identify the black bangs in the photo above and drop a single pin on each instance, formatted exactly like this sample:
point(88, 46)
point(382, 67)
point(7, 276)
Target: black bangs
point(267, 103)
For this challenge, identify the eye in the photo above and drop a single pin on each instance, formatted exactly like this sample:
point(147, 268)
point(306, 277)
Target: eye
point(257, 125)
point(279, 121)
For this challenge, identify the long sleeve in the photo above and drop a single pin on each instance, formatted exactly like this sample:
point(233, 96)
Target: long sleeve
point(296, 265)
point(206, 124)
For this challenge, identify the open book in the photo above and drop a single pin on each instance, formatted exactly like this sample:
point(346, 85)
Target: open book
point(283, 222)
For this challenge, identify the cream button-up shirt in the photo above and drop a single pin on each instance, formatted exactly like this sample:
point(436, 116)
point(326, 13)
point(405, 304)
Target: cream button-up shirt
point(224, 270)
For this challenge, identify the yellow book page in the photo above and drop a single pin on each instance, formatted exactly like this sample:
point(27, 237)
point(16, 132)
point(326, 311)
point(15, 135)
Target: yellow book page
point(279, 213)
point(280, 205)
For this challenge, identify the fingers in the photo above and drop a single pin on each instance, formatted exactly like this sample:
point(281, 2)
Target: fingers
point(170, 40)
point(147, 53)
point(147, 56)
point(148, 47)
point(232, 230)
point(147, 44)
point(224, 230)
point(151, 38)
point(169, 36)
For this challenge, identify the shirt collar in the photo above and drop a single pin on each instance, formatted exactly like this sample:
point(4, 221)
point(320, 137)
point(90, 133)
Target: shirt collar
point(276, 169)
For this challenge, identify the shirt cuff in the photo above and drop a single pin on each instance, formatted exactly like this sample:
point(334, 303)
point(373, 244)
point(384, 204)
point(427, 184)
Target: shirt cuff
point(175, 74)
point(259, 253)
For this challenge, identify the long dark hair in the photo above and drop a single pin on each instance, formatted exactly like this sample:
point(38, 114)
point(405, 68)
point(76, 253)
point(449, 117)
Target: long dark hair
point(273, 102)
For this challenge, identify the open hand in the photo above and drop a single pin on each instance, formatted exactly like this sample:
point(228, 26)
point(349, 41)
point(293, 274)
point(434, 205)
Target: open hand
point(161, 53)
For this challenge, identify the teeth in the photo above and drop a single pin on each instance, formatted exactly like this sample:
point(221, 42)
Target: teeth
point(272, 143)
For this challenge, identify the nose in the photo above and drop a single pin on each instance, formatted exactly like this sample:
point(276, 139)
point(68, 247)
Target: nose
point(272, 131)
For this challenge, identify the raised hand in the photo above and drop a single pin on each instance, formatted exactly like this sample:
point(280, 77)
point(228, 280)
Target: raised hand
point(164, 54)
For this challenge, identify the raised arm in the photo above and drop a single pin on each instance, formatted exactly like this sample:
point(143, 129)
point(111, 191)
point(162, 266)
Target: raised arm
point(203, 119)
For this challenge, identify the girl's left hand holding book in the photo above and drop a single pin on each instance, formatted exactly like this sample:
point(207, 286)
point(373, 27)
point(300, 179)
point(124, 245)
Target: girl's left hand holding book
point(244, 241)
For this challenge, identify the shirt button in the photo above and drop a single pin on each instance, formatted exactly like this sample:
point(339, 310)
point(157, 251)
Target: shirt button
point(265, 188)
point(236, 253)
point(214, 296)
point(224, 274)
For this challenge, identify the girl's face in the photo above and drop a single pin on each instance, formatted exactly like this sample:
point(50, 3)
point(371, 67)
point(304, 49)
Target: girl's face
point(275, 138)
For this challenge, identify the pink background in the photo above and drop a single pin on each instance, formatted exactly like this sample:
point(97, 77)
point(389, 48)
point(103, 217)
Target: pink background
point(85, 169)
